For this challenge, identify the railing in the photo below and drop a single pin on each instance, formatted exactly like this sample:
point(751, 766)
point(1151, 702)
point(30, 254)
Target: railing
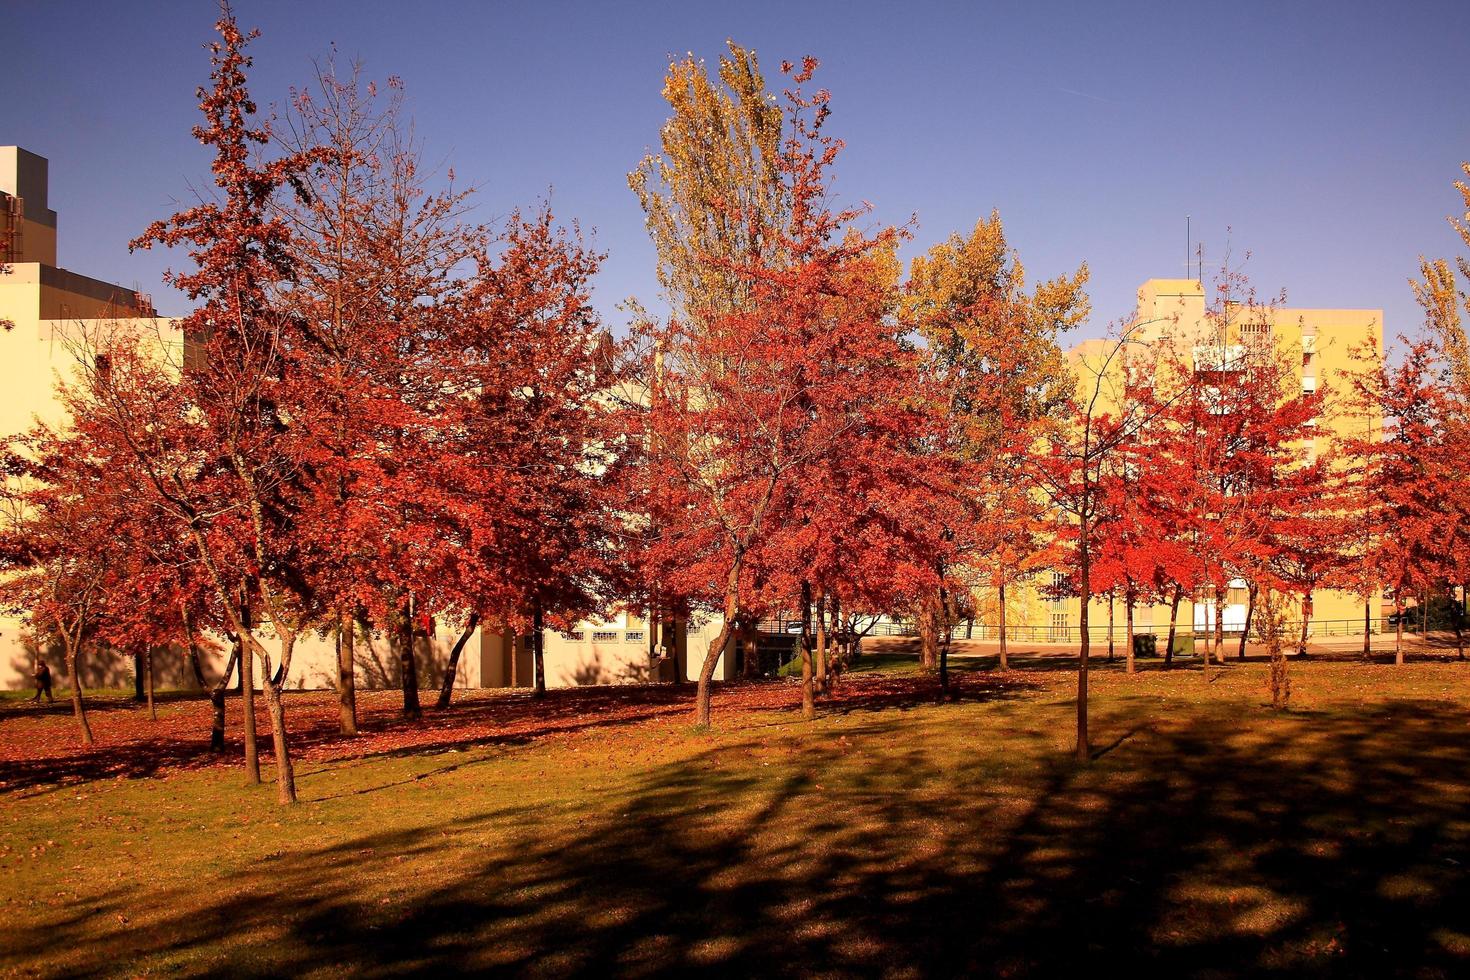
point(1031, 633)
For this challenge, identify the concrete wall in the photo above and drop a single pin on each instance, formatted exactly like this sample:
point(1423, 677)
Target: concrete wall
point(313, 662)
point(613, 651)
point(487, 660)
point(24, 175)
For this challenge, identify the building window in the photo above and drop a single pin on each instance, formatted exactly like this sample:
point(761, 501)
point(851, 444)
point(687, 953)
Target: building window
point(1059, 627)
point(605, 636)
point(576, 636)
point(633, 636)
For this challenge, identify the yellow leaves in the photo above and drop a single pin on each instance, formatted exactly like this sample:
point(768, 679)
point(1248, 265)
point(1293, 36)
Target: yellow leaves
point(1438, 295)
point(714, 194)
point(1062, 301)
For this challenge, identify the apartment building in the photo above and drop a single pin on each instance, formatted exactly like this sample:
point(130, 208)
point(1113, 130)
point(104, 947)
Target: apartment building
point(1324, 346)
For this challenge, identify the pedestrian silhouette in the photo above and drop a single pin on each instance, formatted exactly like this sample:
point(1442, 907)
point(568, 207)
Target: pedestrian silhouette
point(43, 681)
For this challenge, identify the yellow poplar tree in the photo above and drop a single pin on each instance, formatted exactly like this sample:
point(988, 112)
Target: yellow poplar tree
point(992, 349)
point(1438, 292)
point(714, 195)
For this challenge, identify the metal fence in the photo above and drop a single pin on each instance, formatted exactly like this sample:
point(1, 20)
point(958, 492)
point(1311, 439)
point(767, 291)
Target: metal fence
point(1031, 633)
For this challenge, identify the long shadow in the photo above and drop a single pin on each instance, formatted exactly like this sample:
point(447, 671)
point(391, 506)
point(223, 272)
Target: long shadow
point(141, 750)
point(1327, 843)
point(105, 703)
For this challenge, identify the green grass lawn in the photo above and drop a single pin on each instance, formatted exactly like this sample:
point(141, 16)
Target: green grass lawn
point(895, 835)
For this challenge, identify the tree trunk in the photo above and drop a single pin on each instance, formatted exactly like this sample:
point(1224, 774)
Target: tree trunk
point(821, 664)
point(538, 651)
point(139, 694)
point(707, 672)
point(247, 700)
point(929, 634)
point(1129, 599)
point(1301, 645)
point(1367, 628)
point(1173, 625)
point(1111, 626)
point(1250, 612)
point(148, 669)
point(1004, 655)
point(751, 644)
point(944, 630)
point(191, 648)
point(78, 706)
point(346, 674)
point(217, 701)
point(837, 641)
point(669, 634)
point(1398, 639)
point(1083, 750)
point(1220, 626)
point(1209, 632)
point(1280, 682)
point(1459, 621)
point(451, 670)
point(408, 667)
point(808, 699)
point(512, 641)
point(652, 624)
point(276, 709)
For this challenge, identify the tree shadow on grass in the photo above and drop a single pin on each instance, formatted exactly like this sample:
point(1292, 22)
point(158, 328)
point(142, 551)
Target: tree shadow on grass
point(1314, 843)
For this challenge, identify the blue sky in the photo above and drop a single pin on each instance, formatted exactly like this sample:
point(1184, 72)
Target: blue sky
point(1322, 138)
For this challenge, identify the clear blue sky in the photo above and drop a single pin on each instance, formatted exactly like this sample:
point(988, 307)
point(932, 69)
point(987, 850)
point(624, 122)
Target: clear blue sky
point(1324, 135)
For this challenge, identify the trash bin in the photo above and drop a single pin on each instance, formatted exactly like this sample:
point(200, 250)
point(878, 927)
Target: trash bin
point(1145, 645)
point(1184, 644)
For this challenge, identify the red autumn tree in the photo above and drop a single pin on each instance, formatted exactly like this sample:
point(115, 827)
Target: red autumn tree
point(1405, 492)
point(238, 382)
point(528, 450)
point(382, 267)
point(1235, 429)
point(761, 394)
point(60, 525)
point(1071, 472)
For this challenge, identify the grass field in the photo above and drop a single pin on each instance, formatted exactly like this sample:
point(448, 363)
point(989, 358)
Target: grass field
point(597, 833)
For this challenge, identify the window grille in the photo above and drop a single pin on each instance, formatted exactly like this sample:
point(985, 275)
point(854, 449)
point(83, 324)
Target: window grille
point(605, 636)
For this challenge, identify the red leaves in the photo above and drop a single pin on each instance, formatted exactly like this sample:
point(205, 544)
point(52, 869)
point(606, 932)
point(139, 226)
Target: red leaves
point(779, 429)
point(1406, 489)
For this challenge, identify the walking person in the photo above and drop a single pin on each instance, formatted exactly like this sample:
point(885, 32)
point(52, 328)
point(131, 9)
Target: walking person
point(43, 681)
